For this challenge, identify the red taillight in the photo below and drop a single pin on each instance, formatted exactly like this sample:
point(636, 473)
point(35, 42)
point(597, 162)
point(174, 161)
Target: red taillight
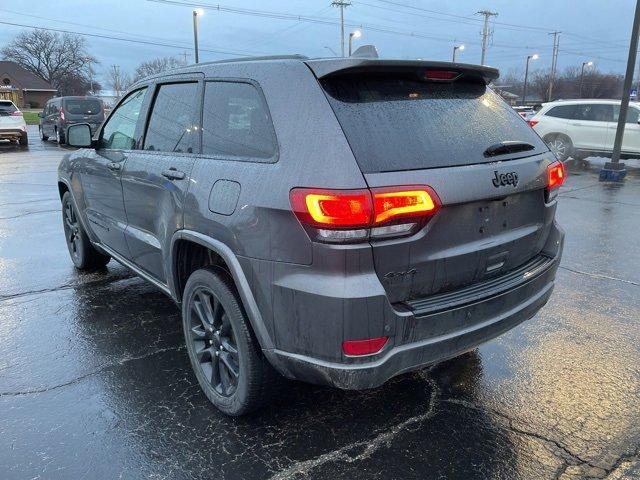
point(402, 202)
point(533, 123)
point(332, 208)
point(555, 175)
point(17, 113)
point(369, 346)
point(353, 215)
point(440, 74)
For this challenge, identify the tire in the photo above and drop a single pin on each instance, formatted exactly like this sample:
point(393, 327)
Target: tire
point(24, 140)
point(83, 255)
point(560, 145)
point(225, 356)
point(43, 137)
point(59, 137)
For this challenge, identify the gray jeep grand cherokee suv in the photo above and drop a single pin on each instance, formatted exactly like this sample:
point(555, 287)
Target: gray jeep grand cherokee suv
point(337, 221)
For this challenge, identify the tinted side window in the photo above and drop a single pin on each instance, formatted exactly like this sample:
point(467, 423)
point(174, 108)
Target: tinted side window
point(595, 112)
point(119, 131)
point(633, 114)
point(236, 123)
point(562, 111)
point(173, 122)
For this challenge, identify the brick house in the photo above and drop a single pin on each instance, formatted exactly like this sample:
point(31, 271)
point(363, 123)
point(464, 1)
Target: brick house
point(24, 88)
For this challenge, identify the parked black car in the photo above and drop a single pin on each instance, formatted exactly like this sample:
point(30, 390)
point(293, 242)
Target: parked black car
point(60, 112)
point(337, 221)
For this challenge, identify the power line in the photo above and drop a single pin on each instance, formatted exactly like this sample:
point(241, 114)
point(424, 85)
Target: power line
point(123, 39)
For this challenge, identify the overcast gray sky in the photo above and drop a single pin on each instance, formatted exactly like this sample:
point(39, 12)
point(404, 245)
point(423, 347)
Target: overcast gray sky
point(595, 30)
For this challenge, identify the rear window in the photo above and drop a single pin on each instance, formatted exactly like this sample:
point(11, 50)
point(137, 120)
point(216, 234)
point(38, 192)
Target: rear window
point(562, 111)
point(395, 123)
point(82, 106)
point(7, 107)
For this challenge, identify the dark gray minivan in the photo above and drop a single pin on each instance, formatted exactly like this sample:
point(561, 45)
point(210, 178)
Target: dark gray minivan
point(60, 112)
point(336, 221)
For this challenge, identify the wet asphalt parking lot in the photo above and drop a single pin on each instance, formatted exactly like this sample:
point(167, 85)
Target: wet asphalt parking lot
point(95, 381)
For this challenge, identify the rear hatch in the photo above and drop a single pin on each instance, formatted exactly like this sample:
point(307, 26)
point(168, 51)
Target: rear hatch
point(10, 116)
point(433, 124)
point(83, 110)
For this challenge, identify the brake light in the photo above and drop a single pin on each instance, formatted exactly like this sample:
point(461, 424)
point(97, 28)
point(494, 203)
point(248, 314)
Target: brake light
point(332, 208)
point(369, 346)
point(533, 123)
point(440, 74)
point(397, 202)
point(17, 113)
point(61, 114)
point(354, 215)
point(555, 175)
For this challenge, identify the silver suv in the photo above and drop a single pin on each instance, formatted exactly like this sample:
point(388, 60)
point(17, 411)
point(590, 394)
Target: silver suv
point(337, 221)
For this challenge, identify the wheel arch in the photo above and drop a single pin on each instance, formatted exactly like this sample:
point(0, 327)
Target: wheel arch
point(231, 265)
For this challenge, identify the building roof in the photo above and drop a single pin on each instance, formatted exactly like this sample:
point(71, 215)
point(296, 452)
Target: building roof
point(24, 79)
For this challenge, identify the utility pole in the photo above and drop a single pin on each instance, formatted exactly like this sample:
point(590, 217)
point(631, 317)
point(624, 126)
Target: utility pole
point(615, 170)
point(554, 63)
point(486, 33)
point(116, 79)
point(342, 4)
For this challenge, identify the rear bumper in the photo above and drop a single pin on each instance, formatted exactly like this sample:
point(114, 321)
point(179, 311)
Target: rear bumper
point(426, 338)
point(12, 133)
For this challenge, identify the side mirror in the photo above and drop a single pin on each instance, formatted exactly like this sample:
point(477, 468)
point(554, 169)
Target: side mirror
point(79, 135)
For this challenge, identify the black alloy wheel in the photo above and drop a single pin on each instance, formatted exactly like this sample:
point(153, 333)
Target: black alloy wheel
point(72, 232)
point(214, 342)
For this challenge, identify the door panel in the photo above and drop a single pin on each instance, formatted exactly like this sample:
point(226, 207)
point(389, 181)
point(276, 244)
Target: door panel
point(589, 126)
point(155, 180)
point(102, 171)
point(631, 138)
point(103, 198)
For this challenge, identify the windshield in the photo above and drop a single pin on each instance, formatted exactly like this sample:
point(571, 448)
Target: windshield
point(82, 106)
point(396, 123)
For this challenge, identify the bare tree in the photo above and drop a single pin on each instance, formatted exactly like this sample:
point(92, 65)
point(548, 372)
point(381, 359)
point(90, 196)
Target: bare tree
point(51, 56)
point(157, 65)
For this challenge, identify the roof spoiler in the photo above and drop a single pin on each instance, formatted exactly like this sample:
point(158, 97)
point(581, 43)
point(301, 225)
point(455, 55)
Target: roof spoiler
point(330, 67)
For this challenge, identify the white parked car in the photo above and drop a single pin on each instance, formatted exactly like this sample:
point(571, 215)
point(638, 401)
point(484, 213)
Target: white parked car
point(12, 124)
point(580, 128)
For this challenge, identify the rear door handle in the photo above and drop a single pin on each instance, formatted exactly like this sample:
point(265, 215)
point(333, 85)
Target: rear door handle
point(114, 166)
point(173, 174)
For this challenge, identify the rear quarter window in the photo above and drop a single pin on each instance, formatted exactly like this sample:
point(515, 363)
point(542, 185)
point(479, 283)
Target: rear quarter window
point(397, 123)
point(236, 123)
point(562, 111)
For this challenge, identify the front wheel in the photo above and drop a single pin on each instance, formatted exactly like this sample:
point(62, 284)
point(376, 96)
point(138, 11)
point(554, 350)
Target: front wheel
point(560, 145)
point(83, 255)
point(226, 358)
point(43, 137)
point(24, 140)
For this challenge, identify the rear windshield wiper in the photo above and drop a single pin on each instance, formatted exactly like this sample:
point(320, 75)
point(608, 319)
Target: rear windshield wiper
point(509, 146)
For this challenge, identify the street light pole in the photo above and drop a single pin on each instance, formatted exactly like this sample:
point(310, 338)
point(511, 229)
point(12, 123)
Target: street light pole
point(352, 35)
point(526, 76)
point(584, 64)
point(615, 170)
point(197, 12)
point(455, 49)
